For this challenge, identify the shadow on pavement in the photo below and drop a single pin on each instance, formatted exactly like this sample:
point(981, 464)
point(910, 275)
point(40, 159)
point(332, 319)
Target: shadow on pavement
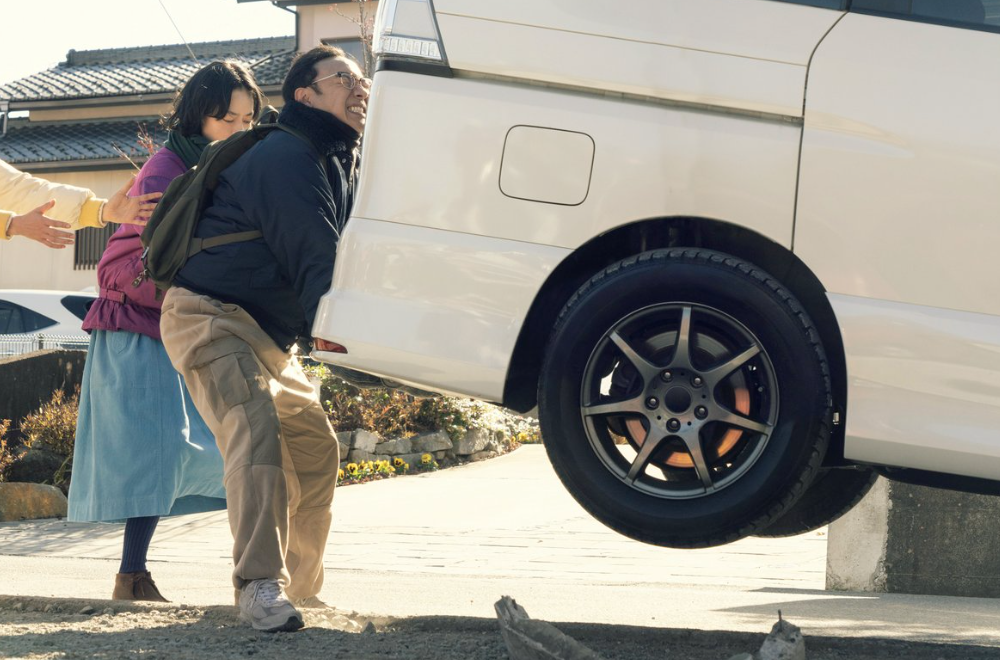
point(46, 627)
point(972, 621)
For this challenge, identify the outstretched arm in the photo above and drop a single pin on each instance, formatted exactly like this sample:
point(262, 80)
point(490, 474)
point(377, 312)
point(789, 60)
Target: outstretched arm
point(34, 207)
point(129, 210)
point(39, 227)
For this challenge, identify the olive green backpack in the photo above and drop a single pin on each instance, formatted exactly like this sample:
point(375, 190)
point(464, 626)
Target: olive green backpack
point(168, 239)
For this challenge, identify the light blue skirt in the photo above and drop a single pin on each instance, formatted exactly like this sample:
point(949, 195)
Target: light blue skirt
point(141, 447)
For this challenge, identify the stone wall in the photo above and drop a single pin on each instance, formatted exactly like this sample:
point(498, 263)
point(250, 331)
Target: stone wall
point(911, 539)
point(360, 446)
point(27, 381)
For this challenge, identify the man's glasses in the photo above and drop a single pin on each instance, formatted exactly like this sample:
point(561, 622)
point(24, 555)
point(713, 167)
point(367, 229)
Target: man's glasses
point(347, 79)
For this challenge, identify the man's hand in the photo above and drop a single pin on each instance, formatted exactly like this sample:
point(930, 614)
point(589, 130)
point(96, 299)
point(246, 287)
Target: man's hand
point(39, 227)
point(130, 210)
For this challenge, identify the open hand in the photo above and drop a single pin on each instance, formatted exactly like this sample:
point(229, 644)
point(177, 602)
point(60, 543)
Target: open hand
point(130, 210)
point(39, 227)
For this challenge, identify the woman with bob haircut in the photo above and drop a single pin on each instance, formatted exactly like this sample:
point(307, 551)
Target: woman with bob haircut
point(142, 451)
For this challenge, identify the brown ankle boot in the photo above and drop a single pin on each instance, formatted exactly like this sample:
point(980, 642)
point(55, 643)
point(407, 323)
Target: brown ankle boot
point(136, 586)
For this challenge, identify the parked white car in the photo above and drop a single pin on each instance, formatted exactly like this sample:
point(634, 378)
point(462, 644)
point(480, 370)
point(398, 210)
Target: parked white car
point(34, 319)
point(742, 253)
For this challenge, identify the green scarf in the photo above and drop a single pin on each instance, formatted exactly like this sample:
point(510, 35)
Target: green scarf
point(189, 148)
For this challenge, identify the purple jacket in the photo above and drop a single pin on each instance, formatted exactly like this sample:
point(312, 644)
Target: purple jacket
point(122, 306)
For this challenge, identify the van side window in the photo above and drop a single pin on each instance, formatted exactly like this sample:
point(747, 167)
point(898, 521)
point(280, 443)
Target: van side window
point(975, 14)
point(78, 305)
point(826, 4)
point(10, 319)
point(16, 319)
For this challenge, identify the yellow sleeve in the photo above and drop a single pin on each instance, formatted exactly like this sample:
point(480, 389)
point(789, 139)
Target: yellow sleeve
point(5, 218)
point(92, 213)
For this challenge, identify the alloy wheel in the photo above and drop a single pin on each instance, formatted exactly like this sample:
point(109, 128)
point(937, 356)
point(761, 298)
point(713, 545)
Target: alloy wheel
point(679, 400)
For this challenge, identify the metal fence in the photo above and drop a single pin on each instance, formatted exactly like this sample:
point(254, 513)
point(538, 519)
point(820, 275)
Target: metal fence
point(18, 344)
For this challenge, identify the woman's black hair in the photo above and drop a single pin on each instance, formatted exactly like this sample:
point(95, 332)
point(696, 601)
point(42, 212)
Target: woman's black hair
point(208, 93)
point(303, 69)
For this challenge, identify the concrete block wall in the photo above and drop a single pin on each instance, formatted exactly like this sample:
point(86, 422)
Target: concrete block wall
point(917, 540)
point(27, 381)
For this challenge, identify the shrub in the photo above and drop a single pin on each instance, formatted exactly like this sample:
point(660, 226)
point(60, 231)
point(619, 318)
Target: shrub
point(508, 428)
point(53, 426)
point(6, 455)
point(391, 413)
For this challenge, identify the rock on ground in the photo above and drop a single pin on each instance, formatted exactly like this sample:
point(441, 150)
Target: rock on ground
point(536, 640)
point(785, 642)
point(25, 501)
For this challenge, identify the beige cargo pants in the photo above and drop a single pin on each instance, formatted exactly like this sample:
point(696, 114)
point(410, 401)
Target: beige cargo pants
point(280, 453)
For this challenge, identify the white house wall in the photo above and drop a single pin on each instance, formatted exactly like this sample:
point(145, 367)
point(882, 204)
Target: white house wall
point(333, 21)
point(25, 264)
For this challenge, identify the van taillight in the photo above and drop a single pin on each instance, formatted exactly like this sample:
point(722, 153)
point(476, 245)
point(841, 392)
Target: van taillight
point(407, 29)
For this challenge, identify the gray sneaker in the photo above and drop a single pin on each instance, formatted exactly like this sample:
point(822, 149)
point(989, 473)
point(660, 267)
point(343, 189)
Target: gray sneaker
point(264, 606)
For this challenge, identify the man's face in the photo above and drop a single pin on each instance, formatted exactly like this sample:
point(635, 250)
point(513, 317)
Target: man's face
point(330, 92)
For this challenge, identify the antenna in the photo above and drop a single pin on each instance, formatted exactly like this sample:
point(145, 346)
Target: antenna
point(196, 61)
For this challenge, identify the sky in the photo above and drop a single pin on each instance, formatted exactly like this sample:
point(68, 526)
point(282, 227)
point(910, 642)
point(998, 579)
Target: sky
point(36, 34)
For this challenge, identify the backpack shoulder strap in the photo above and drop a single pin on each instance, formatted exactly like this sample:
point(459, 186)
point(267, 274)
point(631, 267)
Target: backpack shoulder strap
point(198, 244)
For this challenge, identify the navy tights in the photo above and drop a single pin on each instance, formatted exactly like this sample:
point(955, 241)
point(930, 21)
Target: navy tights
point(138, 534)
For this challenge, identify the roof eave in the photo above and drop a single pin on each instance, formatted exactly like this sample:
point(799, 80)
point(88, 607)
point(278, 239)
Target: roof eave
point(79, 165)
point(152, 98)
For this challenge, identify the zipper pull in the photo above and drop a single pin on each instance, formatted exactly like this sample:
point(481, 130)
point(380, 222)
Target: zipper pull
point(144, 273)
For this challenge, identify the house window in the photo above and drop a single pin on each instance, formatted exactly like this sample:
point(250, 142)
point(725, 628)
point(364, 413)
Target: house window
point(89, 245)
point(355, 48)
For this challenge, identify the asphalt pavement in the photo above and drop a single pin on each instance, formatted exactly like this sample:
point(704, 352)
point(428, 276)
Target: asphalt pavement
point(452, 542)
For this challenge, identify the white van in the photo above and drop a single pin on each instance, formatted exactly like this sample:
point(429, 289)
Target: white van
point(742, 253)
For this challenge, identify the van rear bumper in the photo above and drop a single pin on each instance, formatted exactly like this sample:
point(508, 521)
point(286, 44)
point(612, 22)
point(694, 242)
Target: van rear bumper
point(436, 309)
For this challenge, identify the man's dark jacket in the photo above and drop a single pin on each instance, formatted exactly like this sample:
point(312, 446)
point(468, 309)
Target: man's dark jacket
point(280, 187)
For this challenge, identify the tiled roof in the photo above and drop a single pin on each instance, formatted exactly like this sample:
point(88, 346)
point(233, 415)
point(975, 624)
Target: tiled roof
point(27, 143)
point(146, 70)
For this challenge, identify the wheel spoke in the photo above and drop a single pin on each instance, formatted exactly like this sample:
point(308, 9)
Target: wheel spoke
point(742, 422)
point(715, 374)
point(695, 398)
point(649, 445)
point(693, 443)
point(646, 369)
point(682, 349)
point(616, 408)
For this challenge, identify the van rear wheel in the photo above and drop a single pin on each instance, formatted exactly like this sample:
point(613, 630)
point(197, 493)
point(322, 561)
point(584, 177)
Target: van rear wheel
point(685, 398)
point(832, 494)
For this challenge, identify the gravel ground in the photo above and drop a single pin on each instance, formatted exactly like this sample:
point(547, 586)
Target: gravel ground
point(40, 628)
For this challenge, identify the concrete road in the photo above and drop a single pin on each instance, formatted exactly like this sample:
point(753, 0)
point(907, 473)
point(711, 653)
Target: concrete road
point(453, 542)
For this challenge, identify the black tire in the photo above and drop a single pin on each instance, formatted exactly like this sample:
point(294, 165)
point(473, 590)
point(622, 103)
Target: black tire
point(642, 434)
point(834, 492)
